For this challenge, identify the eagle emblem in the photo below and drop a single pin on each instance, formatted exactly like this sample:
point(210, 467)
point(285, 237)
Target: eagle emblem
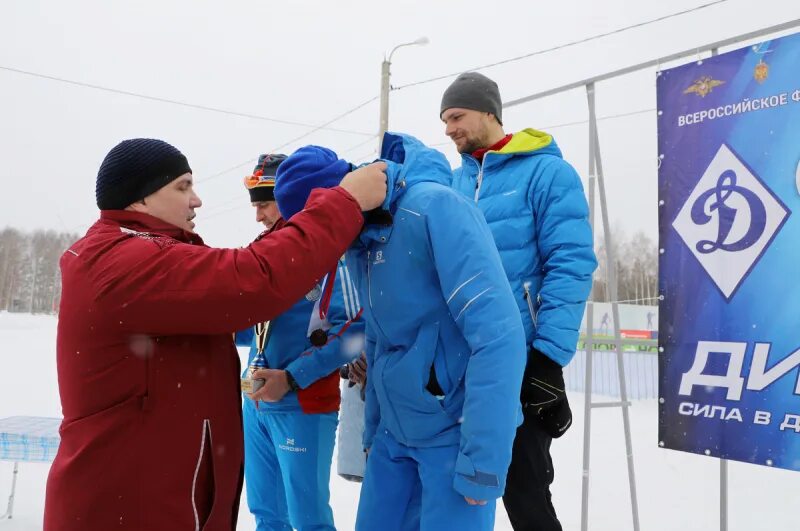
point(703, 86)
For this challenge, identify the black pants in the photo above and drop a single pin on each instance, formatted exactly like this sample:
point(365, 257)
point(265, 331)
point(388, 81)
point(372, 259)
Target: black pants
point(527, 496)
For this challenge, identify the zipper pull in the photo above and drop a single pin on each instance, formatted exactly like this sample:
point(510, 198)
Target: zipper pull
point(478, 184)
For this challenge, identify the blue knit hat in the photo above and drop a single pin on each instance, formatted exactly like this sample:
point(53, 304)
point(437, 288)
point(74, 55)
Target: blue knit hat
point(307, 168)
point(136, 168)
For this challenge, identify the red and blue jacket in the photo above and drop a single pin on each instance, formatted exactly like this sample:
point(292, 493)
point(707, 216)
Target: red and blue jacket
point(334, 308)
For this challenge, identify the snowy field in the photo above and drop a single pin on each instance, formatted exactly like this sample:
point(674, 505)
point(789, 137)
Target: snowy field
point(677, 491)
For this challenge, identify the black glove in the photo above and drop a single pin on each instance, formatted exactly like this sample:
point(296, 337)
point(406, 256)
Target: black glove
point(543, 394)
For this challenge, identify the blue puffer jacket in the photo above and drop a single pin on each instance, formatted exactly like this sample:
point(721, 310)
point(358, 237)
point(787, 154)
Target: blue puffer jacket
point(435, 294)
point(534, 204)
point(314, 368)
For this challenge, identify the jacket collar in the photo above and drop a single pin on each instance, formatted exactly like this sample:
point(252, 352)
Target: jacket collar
point(526, 142)
point(146, 224)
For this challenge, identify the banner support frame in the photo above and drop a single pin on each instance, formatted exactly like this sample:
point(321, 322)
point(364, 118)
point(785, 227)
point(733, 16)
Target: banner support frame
point(596, 174)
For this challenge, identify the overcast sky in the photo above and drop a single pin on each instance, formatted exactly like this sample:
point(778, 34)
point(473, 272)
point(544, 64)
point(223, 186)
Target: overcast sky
point(308, 62)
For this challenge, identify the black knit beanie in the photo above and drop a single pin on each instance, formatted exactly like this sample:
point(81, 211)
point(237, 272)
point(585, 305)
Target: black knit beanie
point(474, 91)
point(261, 185)
point(136, 168)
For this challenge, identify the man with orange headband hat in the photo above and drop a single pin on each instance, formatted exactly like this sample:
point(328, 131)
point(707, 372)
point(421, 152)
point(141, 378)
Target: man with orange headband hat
point(289, 438)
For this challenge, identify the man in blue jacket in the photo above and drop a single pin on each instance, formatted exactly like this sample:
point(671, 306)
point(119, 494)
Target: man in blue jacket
point(534, 204)
point(445, 344)
point(290, 423)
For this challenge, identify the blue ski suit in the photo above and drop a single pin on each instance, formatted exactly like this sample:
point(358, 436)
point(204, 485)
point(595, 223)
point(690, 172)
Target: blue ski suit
point(445, 352)
point(289, 444)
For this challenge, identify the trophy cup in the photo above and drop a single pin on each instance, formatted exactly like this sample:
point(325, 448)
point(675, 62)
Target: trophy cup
point(249, 384)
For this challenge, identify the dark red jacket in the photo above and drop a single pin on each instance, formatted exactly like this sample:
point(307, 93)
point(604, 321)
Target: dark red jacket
point(147, 369)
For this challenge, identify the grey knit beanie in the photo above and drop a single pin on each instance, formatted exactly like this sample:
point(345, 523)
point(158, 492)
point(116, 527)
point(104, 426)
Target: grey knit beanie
point(474, 91)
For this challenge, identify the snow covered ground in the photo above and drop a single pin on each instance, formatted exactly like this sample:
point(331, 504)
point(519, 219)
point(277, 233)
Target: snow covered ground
point(677, 491)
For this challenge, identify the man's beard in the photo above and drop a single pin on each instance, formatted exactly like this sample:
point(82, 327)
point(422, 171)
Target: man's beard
point(471, 146)
point(479, 141)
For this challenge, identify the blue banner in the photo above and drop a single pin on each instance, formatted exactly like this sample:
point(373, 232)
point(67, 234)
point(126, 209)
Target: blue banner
point(729, 268)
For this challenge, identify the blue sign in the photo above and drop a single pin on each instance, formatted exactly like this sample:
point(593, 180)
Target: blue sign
point(729, 268)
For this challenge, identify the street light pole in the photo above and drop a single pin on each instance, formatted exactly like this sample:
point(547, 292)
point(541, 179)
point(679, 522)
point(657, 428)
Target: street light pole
point(386, 73)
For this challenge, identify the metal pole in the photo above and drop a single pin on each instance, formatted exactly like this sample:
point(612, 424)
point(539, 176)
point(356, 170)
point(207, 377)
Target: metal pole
point(723, 495)
point(587, 411)
point(10, 509)
point(588, 349)
point(723, 463)
point(383, 126)
point(612, 286)
point(657, 62)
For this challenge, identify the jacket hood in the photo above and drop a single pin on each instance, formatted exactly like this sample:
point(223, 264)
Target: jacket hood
point(408, 162)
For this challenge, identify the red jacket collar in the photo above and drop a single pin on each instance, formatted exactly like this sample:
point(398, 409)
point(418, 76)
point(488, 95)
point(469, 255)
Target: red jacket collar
point(479, 153)
point(140, 222)
point(275, 226)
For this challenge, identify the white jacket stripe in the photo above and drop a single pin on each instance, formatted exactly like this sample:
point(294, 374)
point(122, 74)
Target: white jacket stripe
point(345, 295)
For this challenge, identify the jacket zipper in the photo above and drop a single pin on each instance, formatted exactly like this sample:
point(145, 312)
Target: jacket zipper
point(526, 287)
point(206, 434)
point(480, 178)
point(369, 279)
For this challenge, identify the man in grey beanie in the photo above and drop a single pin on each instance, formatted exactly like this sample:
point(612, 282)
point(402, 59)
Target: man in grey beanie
point(534, 204)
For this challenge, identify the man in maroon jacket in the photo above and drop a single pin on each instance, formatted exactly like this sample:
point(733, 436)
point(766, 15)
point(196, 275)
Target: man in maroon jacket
point(147, 370)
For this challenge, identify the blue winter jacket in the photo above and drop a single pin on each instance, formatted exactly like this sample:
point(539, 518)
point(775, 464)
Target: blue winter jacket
point(534, 204)
point(435, 295)
point(288, 346)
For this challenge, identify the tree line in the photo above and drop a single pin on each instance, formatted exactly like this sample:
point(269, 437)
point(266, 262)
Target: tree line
point(30, 279)
point(636, 268)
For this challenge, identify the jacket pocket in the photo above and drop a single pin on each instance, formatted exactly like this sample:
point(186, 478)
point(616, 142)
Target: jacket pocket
point(144, 347)
point(418, 414)
point(530, 297)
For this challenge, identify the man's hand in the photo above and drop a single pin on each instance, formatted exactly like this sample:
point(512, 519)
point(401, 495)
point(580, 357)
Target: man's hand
point(357, 371)
point(543, 394)
point(474, 502)
point(275, 387)
point(367, 185)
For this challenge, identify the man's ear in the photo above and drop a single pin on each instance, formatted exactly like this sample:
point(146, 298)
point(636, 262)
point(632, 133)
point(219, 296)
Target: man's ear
point(138, 206)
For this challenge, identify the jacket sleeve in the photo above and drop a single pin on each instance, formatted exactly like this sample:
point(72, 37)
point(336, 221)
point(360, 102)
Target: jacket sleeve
point(188, 289)
point(345, 337)
point(480, 300)
point(568, 261)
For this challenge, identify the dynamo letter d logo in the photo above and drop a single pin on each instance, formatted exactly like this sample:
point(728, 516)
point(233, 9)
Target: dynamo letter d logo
point(729, 220)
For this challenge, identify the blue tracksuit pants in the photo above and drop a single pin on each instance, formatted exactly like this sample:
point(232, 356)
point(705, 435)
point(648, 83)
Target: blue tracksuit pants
point(407, 488)
point(287, 466)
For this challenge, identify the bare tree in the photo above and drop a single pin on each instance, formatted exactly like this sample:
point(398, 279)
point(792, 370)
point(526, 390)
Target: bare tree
point(30, 278)
point(635, 265)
